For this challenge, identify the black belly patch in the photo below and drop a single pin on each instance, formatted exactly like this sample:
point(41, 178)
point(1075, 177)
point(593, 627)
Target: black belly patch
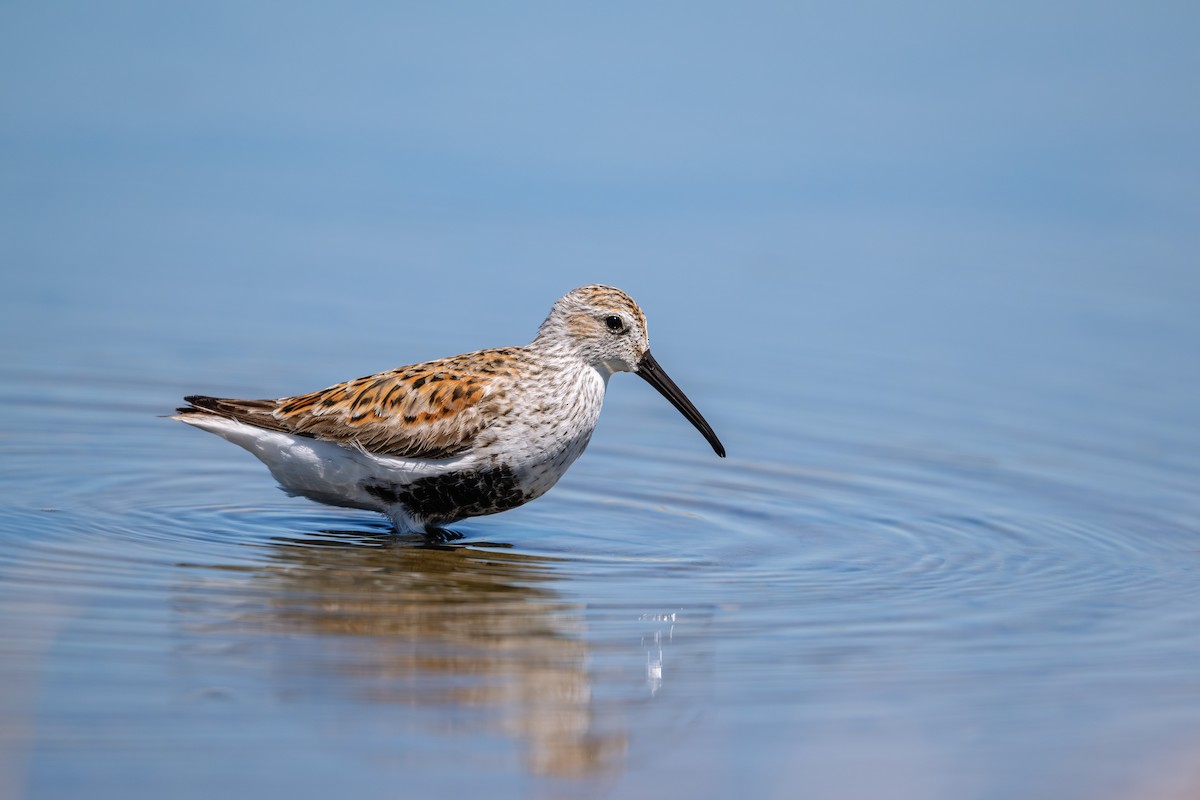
point(448, 498)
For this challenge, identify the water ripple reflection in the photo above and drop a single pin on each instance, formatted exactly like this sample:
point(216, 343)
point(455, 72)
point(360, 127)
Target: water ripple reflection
point(170, 597)
point(466, 639)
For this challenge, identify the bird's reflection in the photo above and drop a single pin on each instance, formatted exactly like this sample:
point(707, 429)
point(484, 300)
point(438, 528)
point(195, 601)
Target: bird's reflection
point(477, 627)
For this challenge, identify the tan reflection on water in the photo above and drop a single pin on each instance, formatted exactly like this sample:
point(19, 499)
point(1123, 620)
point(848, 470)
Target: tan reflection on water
point(466, 627)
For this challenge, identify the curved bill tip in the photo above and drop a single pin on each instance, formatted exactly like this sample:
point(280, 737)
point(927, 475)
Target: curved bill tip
point(650, 371)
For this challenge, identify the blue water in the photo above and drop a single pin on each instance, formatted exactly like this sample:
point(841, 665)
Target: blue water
point(932, 276)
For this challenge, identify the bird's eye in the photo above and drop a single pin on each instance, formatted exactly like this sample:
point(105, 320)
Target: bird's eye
point(614, 323)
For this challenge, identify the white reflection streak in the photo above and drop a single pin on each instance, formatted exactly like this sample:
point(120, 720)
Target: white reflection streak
point(654, 653)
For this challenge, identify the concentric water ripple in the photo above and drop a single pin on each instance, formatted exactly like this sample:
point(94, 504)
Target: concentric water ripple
point(818, 581)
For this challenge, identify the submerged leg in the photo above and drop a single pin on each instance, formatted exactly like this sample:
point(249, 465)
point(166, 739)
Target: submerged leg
point(435, 535)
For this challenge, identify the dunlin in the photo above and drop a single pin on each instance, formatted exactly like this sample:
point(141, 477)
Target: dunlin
point(434, 443)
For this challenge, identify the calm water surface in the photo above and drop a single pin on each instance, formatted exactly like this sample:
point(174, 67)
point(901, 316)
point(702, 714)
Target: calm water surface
point(902, 583)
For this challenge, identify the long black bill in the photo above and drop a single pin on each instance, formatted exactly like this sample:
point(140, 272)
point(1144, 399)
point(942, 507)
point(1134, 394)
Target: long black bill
point(649, 369)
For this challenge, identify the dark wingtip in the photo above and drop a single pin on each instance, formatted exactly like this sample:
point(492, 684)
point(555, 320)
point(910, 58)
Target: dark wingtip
point(193, 408)
point(251, 412)
point(201, 404)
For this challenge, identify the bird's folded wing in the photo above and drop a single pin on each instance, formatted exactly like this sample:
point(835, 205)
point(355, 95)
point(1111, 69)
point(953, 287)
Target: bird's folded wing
point(430, 410)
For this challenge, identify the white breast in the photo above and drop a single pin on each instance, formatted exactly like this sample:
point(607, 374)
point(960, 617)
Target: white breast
point(552, 427)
